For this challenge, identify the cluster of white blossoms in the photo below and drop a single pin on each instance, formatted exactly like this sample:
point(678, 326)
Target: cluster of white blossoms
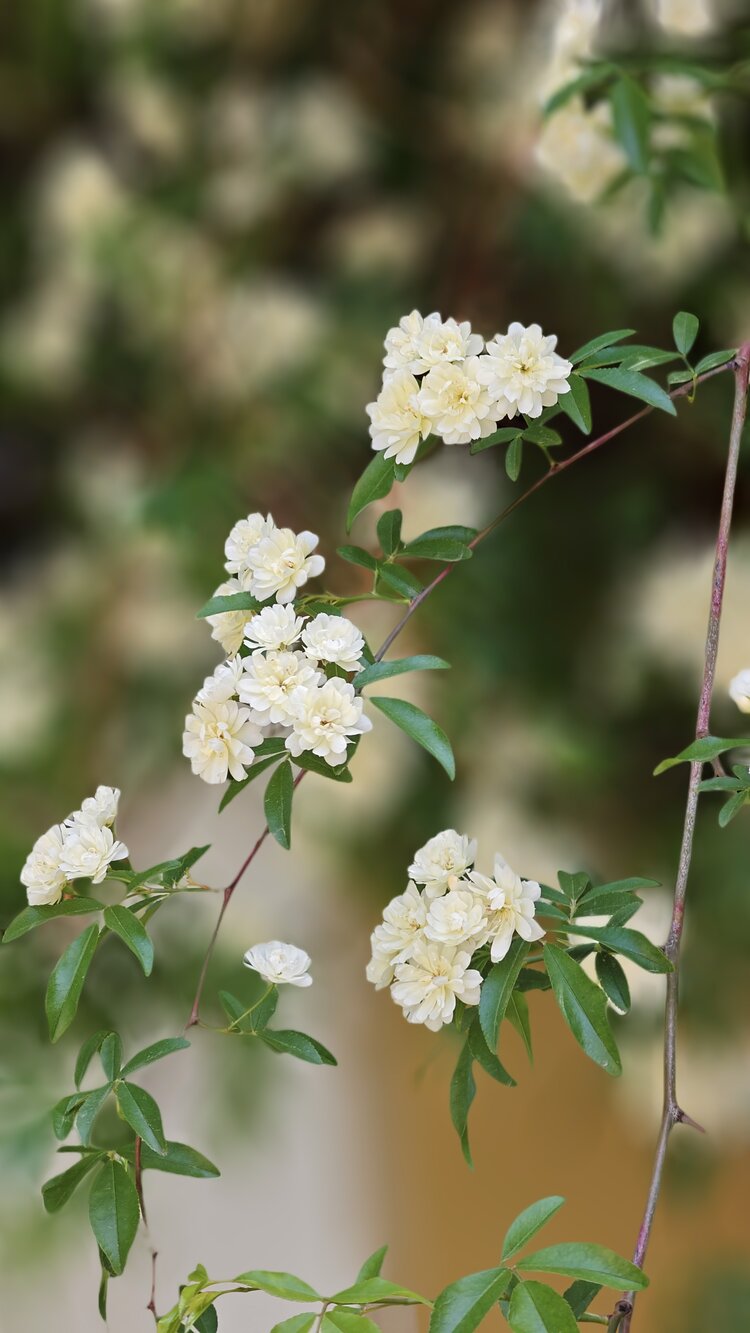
point(280, 964)
point(427, 941)
point(739, 690)
point(82, 847)
point(442, 379)
point(283, 678)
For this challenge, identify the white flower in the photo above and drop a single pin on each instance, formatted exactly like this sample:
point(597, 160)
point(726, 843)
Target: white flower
point(281, 563)
point(402, 344)
point(325, 720)
point(333, 639)
point(392, 941)
point(428, 986)
point(577, 147)
point(459, 916)
point(279, 964)
point(222, 685)
point(244, 536)
point(42, 875)
point(217, 739)
point(524, 372)
point(739, 690)
point(274, 627)
point(269, 682)
point(457, 402)
point(397, 420)
point(511, 902)
point(689, 17)
point(228, 627)
point(418, 344)
point(88, 851)
point(101, 808)
point(442, 861)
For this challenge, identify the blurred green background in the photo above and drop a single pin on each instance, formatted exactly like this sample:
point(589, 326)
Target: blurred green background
point(213, 211)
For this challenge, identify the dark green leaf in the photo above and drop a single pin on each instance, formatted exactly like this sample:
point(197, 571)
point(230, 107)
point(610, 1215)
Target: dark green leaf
point(461, 1307)
point(592, 1263)
point(596, 344)
point(66, 982)
point(613, 981)
point(584, 1008)
point(103, 1291)
point(284, 1285)
point(635, 385)
point(543, 436)
point(171, 872)
point(90, 1108)
point(313, 763)
point(373, 1264)
point(114, 1213)
point(376, 671)
point(64, 1113)
point(517, 1014)
point(462, 1092)
point(122, 922)
point(277, 804)
point(430, 547)
point(421, 728)
point(142, 1114)
point(514, 458)
point(401, 580)
point(497, 989)
point(31, 917)
point(531, 1220)
point(535, 1308)
point(487, 1058)
point(208, 1322)
point(503, 436)
point(577, 404)
point(357, 555)
point(685, 331)
point(631, 118)
point(703, 750)
point(580, 1295)
point(630, 943)
point(178, 1160)
point(715, 359)
point(287, 1042)
point(87, 1053)
point(157, 1051)
point(236, 786)
point(573, 886)
point(374, 484)
point(111, 1056)
point(233, 601)
point(389, 531)
point(732, 807)
point(57, 1191)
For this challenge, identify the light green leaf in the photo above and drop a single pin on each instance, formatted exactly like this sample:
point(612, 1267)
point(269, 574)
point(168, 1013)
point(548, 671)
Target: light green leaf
point(277, 804)
point(31, 917)
point(373, 1264)
point(284, 1285)
point(613, 981)
point(156, 1051)
point(421, 728)
point(376, 671)
point(715, 359)
point(584, 1008)
point(577, 404)
point(685, 331)
point(514, 458)
point(123, 923)
point(535, 1308)
point(299, 1323)
point(287, 1042)
point(531, 1220)
point(374, 484)
point(635, 385)
point(703, 750)
point(57, 1191)
point(142, 1114)
point(233, 601)
point(348, 1321)
point(114, 1213)
point(66, 982)
point(592, 1263)
point(497, 989)
point(461, 1307)
point(376, 1289)
point(462, 1092)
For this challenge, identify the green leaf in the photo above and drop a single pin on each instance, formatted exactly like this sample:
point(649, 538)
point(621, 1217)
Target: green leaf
point(732, 807)
point(123, 923)
point(90, 1108)
point(287, 1042)
point(462, 1306)
point(514, 458)
point(389, 531)
point(87, 1053)
point(543, 436)
point(299, 1323)
point(170, 872)
point(284, 1285)
point(577, 404)
point(64, 1113)
point(462, 1092)
point(156, 1051)
point(703, 750)
point(517, 1014)
point(142, 1114)
point(348, 1321)
point(580, 1295)
point(592, 1263)
point(236, 786)
point(630, 943)
point(531, 1220)
point(110, 1055)
point(179, 1159)
point(233, 1008)
point(503, 436)
point(277, 804)
point(715, 359)
point(312, 763)
point(374, 484)
point(487, 1058)
point(66, 982)
point(208, 1321)
point(373, 1264)
point(497, 989)
point(401, 580)
point(635, 385)
point(233, 601)
point(596, 344)
point(573, 886)
point(57, 1191)
point(31, 917)
point(535, 1308)
point(437, 545)
point(685, 331)
point(631, 118)
point(357, 555)
point(421, 728)
point(103, 1291)
point(375, 1289)
point(114, 1213)
point(613, 981)
point(376, 671)
point(584, 1008)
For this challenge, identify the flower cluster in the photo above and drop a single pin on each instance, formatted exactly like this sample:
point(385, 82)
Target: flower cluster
point(82, 847)
point(286, 673)
point(426, 948)
point(441, 379)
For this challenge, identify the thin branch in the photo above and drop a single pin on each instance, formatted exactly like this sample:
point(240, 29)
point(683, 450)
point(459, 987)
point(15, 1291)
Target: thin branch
point(672, 1113)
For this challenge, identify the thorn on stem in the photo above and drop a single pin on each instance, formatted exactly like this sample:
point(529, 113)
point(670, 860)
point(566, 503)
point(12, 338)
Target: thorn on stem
point(682, 1118)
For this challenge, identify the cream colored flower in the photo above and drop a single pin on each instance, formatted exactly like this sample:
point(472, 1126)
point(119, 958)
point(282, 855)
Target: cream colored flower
point(280, 964)
point(739, 690)
point(244, 536)
point(691, 18)
point(42, 875)
point(101, 808)
point(281, 563)
point(228, 627)
point(577, 147)
point(442, 861)
point(269, 682)
point(459, 917)
point(457, 402)
point(392, 942)
point(218, 740)
point(524, 372)
point(428, 986)
point(326, 719)
point(223, 684)
point(274, 627)
point(418, 344)
point(402, 343)
point(333, 639)
point(511, 904)
point(88, 851)
point(397, 422)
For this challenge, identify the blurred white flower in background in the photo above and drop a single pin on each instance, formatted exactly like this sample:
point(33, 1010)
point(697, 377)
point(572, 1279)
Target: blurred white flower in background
point(689, 18)
point(252, 334)
point(739, 690)
point(148, 113)
point(280, 964)
point(576, 147)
